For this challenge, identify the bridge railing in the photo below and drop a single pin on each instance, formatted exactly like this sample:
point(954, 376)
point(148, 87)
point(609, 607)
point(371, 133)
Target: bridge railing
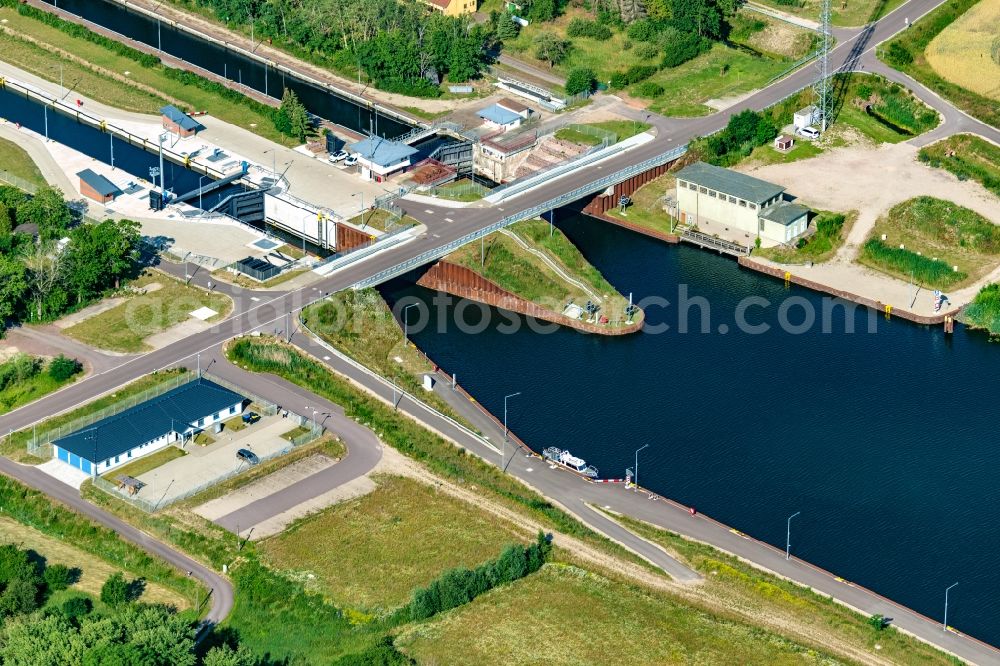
point(562, 199)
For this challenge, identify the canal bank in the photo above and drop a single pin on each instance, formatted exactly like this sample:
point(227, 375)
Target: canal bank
point(752, 427)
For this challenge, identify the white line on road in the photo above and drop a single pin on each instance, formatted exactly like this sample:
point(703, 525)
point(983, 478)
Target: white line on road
point(428, 211)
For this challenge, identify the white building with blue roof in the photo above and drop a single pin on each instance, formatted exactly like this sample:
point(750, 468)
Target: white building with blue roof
point(496, 116)
point(147, 427)
point(380, 158)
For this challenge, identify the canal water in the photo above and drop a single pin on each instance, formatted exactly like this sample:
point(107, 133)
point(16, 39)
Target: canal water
point(133, 160)
point(232, 65)
point(886, 441)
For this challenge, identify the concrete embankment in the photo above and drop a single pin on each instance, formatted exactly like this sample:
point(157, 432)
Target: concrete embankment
point(466, 283)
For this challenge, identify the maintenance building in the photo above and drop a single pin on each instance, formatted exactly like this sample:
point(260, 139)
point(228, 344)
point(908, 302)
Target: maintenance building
point(710, 193)
point(149, 426)
point(380, 158)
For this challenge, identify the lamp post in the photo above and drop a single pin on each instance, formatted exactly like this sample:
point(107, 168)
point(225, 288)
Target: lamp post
point(946, 591)
point(503, 444)
point(635, 480)
point(406, 323)
point(200, 179)
point(788, 536)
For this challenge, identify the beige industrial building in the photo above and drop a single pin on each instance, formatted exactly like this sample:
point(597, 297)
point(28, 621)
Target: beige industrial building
point(707, 193)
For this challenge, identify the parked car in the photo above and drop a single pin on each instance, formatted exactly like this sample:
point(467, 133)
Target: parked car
point(251, 417)
point(339, 156)
point(809, 132)
point(350, 160)
point(247, 456)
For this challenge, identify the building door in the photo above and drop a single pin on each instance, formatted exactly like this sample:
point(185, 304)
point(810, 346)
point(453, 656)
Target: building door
point(74, 460)
point(85, 465)
point(63, 454)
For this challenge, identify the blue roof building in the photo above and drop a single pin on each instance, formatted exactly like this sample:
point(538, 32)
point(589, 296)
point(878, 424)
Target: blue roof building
point(500, 117)
point(148, 426)
point(380, 158)
point(97, 187)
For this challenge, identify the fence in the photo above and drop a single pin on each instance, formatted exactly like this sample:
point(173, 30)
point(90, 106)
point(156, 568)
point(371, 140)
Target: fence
point(18, 182)
point(460, 190)
point(151, 504)
point(607, 138)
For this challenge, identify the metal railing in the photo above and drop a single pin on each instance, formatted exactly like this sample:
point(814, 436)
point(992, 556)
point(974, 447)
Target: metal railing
point(607, 138)
point(562, 199)
point(455, 191)
point(714, 243)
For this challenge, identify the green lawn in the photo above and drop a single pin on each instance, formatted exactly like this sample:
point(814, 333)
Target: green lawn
point(646, 209)
point(906, 53)
point(564, 615)
point(15, 161)
point(936, 235)
point(26, 378)
point(146, 463)
point(370, 552)
point(14, 445)
point(123, 328)
point(752, 593)
point(968, 157)
point(802, 150)
point(819, 247)
point(117, 80)
point(622, 129)
point(461, 190)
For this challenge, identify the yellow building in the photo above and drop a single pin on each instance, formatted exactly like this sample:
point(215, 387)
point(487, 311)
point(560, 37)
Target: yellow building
point(452, 7)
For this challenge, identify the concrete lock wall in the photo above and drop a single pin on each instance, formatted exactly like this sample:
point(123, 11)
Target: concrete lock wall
point(300, 220)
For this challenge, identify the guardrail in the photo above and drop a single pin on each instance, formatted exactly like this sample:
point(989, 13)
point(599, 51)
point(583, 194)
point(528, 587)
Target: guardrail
point(573, 195)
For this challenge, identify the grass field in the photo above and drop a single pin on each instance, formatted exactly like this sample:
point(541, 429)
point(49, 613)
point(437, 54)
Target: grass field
point(622, 129)
point(565, 615)
point(146, 463)
point(113, 79)
point(819, 247)
point(646, 209)
point(93, 570)
point(907, 53)
point(369, 553)
point(123, 328)
point(360, 324)
point(517, 270)
point(19, 389)
point(757, 595)
point(802, 150)
point(961, 53)
point(461, 190)
point(15, 161)
point(968, 157)
point(14, 445)
point(941, 232)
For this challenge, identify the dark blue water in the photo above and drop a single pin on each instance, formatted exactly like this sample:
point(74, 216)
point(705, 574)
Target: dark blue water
point(133, 160)
point(886, 442)
point(232, 65)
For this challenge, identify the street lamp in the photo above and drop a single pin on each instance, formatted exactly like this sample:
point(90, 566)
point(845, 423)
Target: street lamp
point(362, 209)
point(946, 591)
point(503, 444)
point(200, 179)
point(635, 480)
point(788, 536)
point(406, 323)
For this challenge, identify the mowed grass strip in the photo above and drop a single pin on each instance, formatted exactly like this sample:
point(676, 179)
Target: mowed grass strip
point(146, 463)
point(936, 235)
point(968, 157)
point(93, 570)
point(962, 52)
point(646, 209)
point(124, 327)
point(15, 161)
point(749, 592)
point(372, 551)
point(565, 615)
point(114, 82)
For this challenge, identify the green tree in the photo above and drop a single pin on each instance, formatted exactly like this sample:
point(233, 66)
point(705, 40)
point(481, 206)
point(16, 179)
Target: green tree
point(100, 255)
point(541, 10)
point(57, 576)
point(15, 563)
point(13, 287)
point(75, 608)
point(282, 118)
point(507, 28)
point(48, 210)
point(581, 79)
point(20, 597)
point(224, 655)
point(551, 48)
point(114, 592)
point(62, 368)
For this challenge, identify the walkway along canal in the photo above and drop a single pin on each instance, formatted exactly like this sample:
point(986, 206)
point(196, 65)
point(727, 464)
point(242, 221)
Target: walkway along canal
point(234, 65)
point(882, 437)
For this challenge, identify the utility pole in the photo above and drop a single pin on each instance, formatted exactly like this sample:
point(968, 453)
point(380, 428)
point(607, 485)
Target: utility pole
point(822, 86)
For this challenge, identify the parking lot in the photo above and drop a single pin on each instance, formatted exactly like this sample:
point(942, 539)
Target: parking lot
point(205, 464)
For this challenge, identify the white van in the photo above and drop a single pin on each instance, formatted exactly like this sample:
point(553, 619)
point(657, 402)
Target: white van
point(809, 132)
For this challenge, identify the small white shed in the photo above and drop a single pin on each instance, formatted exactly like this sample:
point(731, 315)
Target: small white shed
point(806, 117)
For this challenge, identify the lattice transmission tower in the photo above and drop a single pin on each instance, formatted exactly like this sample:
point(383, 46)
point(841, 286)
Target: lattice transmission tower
point(822, 85)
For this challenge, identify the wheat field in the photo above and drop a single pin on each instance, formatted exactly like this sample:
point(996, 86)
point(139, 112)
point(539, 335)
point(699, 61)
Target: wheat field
point(962, 52)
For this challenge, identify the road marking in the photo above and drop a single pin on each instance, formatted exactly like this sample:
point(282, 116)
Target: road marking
point(500, 209)
point(326, 358)
point(436, 235)
point(448, 219)
point(529, 469)
point(428, 211)
point(254, 299)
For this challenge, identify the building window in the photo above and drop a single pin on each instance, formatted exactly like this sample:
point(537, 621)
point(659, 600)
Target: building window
point(711, 193)
point(743, 203)
point(761, 224)
point(129, 454)
point(703, 190)
point(117, 459)
point(232, 410)
point(753, 206)
point(732, 199)
point(692, 186)
point(201, 422)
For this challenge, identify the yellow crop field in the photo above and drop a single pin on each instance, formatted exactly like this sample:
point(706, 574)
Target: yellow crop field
point(962, 53)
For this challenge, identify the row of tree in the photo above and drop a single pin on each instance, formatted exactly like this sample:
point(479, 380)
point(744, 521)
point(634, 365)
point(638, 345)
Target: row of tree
point(62, 267)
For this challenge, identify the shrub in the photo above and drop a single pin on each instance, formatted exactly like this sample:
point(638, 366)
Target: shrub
point(649, 90)
point(646, 50)
point(898, 56)
point(643, 30)
point(115, 591)
point(57, 577)
point(584, 28)
point(637, 73)
point(680, 47)
point(618, 80)
point(16, 565)
point(931, 272)
point(75, 608)
point(62, 368)
point(20, 597)
point(580, 80)
point(984, 310)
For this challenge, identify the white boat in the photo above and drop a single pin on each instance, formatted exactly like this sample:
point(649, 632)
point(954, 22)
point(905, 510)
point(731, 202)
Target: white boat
point(568, 460)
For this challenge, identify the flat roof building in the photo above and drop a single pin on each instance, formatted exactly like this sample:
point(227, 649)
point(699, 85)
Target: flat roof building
point(97, 187)
point(499, 117)
point(178, 122)
point(380, 158)
point(520, 109)
point(148, 426)
point(707, 193)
